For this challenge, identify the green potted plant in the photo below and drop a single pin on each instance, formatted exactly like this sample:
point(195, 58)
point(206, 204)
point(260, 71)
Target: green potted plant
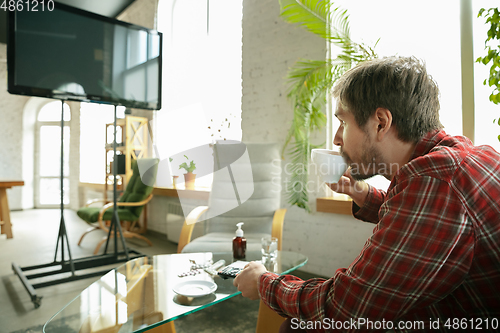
point(492, 16)
point(311, 80)
point(189, 176)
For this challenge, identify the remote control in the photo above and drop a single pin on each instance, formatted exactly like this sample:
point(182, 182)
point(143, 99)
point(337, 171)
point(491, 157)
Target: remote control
point(232, 270)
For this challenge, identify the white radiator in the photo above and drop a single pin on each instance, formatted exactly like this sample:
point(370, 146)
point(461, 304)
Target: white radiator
point(175, 219)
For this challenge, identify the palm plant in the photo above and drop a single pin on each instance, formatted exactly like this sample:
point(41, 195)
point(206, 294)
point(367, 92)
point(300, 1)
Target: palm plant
point(492, 16)
point(311, 80)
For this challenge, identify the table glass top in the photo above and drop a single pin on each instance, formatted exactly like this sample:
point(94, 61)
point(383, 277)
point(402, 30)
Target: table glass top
point(138, 296)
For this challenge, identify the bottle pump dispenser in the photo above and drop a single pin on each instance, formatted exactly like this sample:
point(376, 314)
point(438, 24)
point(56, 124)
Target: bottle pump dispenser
point(239, 243)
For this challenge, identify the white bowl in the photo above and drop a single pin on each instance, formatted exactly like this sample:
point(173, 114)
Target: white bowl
point(329, 164)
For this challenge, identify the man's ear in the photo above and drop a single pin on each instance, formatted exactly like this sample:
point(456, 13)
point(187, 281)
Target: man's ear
point(383, 118)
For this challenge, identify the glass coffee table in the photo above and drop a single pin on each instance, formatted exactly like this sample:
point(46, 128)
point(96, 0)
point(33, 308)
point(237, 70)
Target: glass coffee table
point(139, 295)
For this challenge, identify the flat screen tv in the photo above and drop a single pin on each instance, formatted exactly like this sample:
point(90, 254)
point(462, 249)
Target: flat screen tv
point(71, 54)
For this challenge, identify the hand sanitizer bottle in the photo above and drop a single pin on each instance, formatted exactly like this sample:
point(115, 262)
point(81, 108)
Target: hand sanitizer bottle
point(239, 243)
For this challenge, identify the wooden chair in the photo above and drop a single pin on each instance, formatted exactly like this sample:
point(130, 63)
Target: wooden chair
point(130, 205)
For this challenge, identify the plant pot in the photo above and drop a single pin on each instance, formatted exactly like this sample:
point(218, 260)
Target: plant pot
point(189, 180)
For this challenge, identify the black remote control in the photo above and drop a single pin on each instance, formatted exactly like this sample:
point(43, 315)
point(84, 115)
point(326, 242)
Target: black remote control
point(229, 272)
point(232, 270)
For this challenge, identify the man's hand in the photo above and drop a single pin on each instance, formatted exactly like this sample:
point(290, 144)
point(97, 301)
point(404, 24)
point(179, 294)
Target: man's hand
point(357, 190)
point(246, 281)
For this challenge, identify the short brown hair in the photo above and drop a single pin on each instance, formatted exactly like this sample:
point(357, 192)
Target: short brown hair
point(399, 84)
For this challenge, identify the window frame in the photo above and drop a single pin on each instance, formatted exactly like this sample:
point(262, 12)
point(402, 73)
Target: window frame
point(37, 176)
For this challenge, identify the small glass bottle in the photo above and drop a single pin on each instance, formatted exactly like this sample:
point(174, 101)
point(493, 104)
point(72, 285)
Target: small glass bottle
point(239, 243)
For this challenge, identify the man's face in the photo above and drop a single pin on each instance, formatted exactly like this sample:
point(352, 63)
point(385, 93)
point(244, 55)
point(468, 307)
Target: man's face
point(356, 146)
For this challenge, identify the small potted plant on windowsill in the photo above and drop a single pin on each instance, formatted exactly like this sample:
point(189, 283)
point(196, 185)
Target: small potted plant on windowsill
point(174, 177)
point(189, 176)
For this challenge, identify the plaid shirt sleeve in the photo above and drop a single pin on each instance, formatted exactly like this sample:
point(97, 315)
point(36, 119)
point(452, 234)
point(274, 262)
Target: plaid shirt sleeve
point(419, 252)
point(369, 211)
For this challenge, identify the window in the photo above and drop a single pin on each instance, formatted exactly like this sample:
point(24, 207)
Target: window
point(431, 33)
point(429, 30)
point(486, 132)
point(93, 120)
point(48, 157)
point(201, 76)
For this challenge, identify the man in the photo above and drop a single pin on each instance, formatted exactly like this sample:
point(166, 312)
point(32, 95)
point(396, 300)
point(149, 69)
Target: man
point(434, 256)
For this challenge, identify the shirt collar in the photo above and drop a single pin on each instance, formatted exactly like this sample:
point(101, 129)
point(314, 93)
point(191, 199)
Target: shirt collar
point(429, 141)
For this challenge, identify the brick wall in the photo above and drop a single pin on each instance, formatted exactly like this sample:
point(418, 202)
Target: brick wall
point(270, 47)
point(11, 115)
point(18, 114)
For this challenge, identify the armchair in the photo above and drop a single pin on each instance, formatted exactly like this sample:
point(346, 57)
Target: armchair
point(259, 176)
point(130, 205)
point(261, 213)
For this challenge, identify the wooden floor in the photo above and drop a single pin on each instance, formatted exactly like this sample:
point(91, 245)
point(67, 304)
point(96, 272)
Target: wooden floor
point(35, 234)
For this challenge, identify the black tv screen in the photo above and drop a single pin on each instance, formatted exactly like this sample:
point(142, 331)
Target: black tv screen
point(71, 54)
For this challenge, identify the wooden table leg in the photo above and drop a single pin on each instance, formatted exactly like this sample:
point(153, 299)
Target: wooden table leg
point(5, 213)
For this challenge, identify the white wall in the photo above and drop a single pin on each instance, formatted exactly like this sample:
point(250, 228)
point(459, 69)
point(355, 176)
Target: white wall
point(17, 148)
point(270, 47)
point(11, 121)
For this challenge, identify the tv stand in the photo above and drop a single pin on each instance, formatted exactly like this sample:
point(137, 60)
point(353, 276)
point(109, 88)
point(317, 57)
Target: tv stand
point(69, 265)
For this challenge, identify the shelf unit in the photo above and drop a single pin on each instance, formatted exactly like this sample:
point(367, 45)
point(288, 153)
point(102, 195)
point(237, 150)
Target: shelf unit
point(131, 142)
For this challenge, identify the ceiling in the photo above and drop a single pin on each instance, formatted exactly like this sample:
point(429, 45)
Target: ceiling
point(110, 8)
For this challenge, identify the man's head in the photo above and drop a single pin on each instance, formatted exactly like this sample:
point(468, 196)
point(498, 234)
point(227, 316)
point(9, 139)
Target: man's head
point(389, 96)
point(398, 84)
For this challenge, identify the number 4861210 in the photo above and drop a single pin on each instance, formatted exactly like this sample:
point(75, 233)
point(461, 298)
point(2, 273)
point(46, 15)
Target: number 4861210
point(472, 323)
point(27, 5)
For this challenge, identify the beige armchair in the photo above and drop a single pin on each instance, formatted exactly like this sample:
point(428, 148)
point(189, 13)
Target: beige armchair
point(260, 212)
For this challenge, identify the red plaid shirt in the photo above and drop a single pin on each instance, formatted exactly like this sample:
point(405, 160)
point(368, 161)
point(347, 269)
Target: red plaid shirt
point(434, 253)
